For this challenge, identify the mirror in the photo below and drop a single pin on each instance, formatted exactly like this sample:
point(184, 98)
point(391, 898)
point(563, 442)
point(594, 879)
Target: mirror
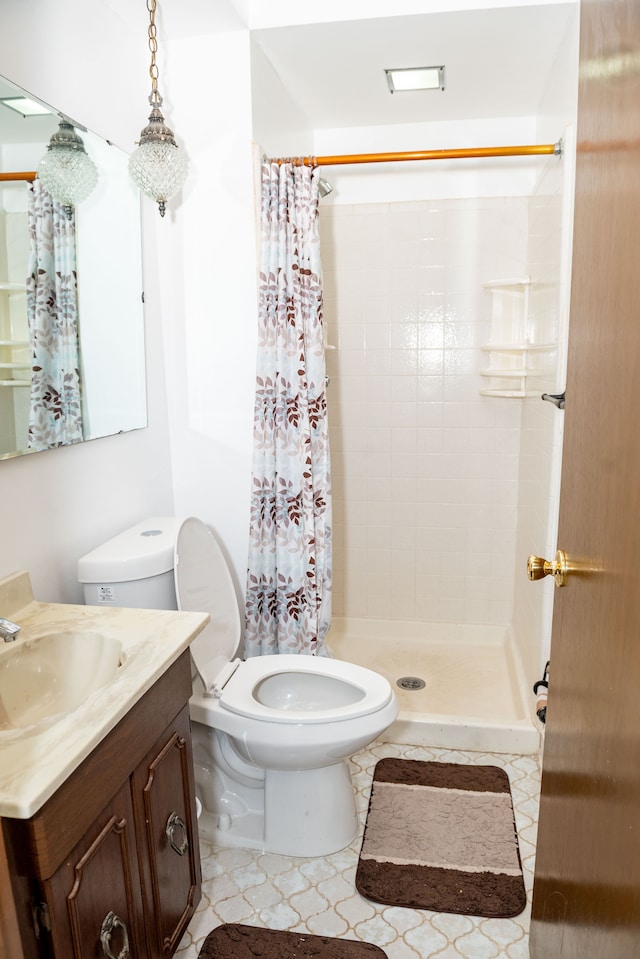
point(109, 285)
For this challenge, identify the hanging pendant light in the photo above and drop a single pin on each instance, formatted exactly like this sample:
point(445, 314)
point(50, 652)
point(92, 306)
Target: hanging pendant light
point(157, 166)
point(66, 170)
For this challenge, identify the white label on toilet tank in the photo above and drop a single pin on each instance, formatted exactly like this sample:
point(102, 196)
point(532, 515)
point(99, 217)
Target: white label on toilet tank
point(105, 594)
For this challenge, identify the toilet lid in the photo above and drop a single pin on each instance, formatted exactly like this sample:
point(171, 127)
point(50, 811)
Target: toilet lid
point(204, 585)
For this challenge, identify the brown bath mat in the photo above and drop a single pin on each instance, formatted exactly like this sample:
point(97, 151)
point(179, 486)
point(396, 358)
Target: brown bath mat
point(441, 836)
point(236, 941)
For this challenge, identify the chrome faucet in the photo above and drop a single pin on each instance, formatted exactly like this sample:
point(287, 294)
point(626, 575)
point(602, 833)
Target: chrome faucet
point(8, 630)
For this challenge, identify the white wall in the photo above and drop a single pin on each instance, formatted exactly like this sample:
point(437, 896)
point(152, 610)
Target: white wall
point(279, 126)
point(208, 290)
point(54, 506)
point(550, 244)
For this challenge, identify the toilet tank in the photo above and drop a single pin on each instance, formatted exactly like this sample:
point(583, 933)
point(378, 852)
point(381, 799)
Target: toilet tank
point(134, 568)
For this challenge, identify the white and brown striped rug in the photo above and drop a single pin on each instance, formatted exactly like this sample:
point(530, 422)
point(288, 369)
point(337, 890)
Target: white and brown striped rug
point(442, 837)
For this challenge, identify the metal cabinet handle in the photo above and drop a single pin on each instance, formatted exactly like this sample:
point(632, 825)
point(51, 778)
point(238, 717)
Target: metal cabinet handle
point(109, 923)
point(174, 822)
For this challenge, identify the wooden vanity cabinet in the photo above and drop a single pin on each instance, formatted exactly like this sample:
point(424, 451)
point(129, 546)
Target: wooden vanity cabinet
point(111, 862)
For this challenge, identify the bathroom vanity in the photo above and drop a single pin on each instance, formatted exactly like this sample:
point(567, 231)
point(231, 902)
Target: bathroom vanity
point(98, 807)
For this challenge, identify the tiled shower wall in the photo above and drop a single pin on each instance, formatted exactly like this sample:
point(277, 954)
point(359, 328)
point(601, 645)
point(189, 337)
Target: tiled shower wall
point(550, 218)
point(425, 469)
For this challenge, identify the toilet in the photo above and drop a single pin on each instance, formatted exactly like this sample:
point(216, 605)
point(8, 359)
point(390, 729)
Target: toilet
point(272, 735)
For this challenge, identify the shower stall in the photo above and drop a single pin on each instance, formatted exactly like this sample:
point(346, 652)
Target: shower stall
point(445, 322)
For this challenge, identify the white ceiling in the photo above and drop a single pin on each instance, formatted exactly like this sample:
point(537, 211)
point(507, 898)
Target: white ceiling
point(497, 64)
point(497, 61)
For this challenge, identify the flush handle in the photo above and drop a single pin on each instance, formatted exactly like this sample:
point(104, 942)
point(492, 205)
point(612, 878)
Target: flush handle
point(175, 823)
point(559, 568)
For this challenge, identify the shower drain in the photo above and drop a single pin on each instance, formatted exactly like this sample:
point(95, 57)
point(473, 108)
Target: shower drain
point(411, 682)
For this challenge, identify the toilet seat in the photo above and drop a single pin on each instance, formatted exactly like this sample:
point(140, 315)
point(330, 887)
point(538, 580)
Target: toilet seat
point(367, 691)
point(204, 585)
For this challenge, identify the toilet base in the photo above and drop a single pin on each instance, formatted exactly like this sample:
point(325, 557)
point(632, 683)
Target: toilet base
point(310, 812)
point(302, 812)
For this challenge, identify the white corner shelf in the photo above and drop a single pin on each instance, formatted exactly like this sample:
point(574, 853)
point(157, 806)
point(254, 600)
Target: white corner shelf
point(508, 394)
point(15, 362)
point(510, 342)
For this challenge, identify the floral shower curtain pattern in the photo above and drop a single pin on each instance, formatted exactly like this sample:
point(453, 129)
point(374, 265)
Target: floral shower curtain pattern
point(288, 601)
point(55, 415)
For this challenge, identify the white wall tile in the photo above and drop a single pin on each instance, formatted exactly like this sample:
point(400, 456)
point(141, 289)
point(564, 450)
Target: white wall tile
point(441, 461)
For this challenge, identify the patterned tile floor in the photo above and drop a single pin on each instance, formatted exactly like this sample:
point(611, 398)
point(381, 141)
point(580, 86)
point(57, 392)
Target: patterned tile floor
point(318, 895)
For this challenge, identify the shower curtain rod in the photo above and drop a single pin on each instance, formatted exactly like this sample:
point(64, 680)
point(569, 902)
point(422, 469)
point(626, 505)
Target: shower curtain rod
point(30, 175)
point(537, 149)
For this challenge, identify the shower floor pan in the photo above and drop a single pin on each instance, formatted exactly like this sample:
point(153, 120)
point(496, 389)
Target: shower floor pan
point(473, 696)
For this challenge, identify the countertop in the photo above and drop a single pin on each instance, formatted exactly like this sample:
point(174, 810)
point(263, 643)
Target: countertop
point(35, 761)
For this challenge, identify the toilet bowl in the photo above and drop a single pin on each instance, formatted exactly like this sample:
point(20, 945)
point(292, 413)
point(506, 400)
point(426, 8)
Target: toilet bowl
point(272, 734)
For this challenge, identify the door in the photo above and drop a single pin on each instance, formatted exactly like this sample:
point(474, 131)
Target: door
point(94, 902)
point(587, 884)
point(164, 794)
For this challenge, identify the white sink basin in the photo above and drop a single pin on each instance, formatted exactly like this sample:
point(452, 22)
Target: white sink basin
point(50, 676)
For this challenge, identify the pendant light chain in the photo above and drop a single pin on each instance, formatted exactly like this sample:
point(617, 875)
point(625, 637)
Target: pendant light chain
point(153, 47)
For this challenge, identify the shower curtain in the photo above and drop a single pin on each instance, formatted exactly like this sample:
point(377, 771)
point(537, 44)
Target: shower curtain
point(55, 414)
point(288, 599)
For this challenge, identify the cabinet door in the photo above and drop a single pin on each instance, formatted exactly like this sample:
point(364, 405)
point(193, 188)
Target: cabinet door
point(164, 796)
point(94, 899)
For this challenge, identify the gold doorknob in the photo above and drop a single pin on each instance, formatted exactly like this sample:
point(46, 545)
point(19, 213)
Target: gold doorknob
point(538, 568)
